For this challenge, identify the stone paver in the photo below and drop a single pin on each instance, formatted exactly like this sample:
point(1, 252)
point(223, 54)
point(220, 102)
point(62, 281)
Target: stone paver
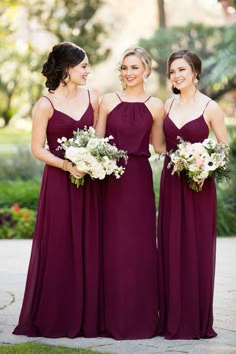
point(14, 257)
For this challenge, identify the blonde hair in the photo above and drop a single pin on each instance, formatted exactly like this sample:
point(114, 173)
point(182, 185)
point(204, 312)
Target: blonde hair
point(142, 54)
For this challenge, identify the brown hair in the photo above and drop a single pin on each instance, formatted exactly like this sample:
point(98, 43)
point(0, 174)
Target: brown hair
point(192, 59)
point(63, 56)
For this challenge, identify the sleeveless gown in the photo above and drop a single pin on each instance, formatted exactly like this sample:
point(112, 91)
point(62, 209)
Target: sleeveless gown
point(129, 236)
point(186, 245)
point(61, 294)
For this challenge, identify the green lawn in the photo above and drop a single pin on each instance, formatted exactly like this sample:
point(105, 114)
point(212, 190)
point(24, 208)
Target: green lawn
point(35, 348)
point(10, 135)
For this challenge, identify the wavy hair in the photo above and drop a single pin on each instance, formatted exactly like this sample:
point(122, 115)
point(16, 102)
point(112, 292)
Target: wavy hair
point(142, 54)
point(62, 57)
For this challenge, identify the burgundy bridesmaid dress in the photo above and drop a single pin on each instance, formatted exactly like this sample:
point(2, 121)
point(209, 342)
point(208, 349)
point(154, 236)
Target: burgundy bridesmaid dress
point(186, 245)
point(61, 294)
point(129, 232)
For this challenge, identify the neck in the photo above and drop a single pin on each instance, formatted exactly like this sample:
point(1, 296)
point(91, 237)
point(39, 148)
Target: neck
point(68, 91)
point(134, 92)
point(189, 95)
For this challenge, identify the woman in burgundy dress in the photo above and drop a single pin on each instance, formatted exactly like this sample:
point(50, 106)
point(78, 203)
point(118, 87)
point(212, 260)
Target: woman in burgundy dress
point(129, 237)
point(61, 294)
point(187, 219)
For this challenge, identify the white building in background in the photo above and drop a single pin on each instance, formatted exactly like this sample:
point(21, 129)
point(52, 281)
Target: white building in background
point(130, 20)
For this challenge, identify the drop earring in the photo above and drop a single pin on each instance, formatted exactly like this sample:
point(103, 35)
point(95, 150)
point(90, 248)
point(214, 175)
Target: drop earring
point(195, 81)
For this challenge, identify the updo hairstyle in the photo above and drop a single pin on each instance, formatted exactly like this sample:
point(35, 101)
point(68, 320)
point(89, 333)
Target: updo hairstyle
point(142, 54)
point(192, 59)
point(62, 57)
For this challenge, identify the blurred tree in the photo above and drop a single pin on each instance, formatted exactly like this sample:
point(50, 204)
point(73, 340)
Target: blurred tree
point(161, 13)
point(208, 43)
point(27, 30)
point(221, 67)
point(71, 20)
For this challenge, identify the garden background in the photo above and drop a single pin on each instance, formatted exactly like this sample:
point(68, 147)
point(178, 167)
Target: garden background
point(104, 28)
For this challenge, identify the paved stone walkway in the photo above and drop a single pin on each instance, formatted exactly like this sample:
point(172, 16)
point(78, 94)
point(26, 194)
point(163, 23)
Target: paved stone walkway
point(14, 257)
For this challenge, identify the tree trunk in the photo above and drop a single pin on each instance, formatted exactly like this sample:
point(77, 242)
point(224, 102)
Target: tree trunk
point(161, 13)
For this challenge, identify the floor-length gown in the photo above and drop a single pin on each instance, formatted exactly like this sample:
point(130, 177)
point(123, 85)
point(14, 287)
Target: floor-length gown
point(61, 294)
point(186, 245)
point(129, 240)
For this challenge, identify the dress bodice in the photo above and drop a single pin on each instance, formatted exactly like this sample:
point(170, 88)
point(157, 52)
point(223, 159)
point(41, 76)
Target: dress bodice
point(62, 125)
point(193, 131)
point(130, 124)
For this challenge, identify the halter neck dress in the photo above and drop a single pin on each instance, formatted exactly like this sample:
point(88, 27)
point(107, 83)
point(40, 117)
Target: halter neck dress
point(129, 232)
point(61, 294)
point(186, 244)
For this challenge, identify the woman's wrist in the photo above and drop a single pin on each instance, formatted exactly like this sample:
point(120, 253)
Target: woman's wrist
point(65, 165)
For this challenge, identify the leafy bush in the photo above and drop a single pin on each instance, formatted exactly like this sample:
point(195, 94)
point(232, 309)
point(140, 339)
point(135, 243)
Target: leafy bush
point(19, 164)
point(25, 193)
point(226, 199)
point(16, 222)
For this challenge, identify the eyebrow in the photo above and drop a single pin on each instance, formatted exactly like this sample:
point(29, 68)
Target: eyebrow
point(180, 67)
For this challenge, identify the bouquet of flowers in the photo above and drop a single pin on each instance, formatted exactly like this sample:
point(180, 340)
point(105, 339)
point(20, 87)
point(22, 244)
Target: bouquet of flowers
point(199, 161)
point(92, 155)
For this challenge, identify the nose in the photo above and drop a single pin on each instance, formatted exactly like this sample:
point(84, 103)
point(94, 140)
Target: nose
point(128, 71)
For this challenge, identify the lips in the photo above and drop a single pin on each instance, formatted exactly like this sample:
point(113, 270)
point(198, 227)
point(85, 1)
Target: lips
point(178, 82)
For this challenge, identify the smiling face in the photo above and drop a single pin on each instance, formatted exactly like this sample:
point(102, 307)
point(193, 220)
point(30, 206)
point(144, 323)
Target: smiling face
point(181, 74)
point(79, 73)
point(132, 71)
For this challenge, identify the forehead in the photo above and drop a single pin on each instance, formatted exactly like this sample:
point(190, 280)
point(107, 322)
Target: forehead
point(132, 59)
point(85, 60)
point(178, 63)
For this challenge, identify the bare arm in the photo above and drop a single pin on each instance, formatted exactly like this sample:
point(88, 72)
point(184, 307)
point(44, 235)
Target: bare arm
point(157, 135)
point(102, 117)
point(215, 118)
point(95, 104)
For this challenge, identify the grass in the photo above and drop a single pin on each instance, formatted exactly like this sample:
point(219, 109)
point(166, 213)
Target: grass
point(35, 348)
point(14, 136)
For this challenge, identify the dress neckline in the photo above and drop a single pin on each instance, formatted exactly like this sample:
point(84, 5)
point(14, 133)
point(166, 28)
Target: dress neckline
point(67, 115)
point(133, 101)
point(190, 121)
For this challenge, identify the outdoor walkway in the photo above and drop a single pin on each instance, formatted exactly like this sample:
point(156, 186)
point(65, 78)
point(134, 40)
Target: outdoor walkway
point(14, 257)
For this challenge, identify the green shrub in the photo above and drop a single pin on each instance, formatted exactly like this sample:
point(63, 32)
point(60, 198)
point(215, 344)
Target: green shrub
point(226, 199)
point(25, 193)
point(16, 222)
point(19, 164)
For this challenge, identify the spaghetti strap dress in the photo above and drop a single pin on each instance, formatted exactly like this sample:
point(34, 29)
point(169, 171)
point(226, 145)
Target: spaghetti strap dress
point(129, 230)
point(186, 245)
point(61, 293)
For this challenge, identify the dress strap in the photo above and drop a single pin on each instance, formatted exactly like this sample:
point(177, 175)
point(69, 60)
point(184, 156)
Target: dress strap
point(147, 99)
point(170, 106)
point(119, 97)
point(49, 101)
point(89, 96)
point(206, 106)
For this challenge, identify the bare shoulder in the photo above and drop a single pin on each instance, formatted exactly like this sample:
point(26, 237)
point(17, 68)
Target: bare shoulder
point(168, 103)
point(43, 106)
point(213, 109)
point(155, 101)
point(93, 95)
point(109, 101)
point(109, 97)
point(156, 107)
